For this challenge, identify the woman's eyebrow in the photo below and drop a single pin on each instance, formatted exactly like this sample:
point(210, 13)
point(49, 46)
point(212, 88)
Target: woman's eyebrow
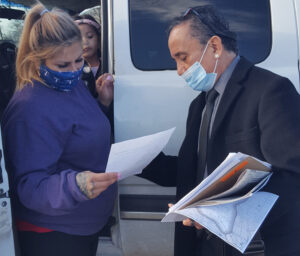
point(63, 62)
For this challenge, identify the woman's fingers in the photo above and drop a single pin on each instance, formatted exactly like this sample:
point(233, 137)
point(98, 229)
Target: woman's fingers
point(92, 184)
point(105, 89)
point(102, 181)
point(104, 79)
point(98, 177)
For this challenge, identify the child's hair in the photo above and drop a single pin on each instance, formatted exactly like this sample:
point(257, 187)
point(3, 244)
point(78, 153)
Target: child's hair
point(90, 20)
point(44, 34)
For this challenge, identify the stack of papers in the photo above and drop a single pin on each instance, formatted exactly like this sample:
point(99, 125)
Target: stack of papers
point(227, 202)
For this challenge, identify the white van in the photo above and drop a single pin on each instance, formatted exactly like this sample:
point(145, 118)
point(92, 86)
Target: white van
point(150, 97)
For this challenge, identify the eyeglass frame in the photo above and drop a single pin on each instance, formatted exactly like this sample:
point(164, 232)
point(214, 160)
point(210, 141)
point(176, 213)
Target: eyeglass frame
point(190, 10)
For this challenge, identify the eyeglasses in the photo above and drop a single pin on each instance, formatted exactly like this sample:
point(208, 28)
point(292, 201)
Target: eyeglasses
point(190, 10)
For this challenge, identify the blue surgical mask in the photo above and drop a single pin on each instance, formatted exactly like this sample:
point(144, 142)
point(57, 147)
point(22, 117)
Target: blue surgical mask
point(61, 81)
point(197, 78)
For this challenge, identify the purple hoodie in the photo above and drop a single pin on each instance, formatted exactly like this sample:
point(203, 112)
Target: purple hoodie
point(49, 136)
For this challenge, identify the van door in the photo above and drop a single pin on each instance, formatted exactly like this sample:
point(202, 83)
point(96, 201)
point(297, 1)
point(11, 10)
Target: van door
point(297, 21)
point(11, 23)
point(283, 58)
point(6, 233)
point(150, 97)
point(142, 96)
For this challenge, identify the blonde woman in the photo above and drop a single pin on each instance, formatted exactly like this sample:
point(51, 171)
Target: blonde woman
point(57, 142)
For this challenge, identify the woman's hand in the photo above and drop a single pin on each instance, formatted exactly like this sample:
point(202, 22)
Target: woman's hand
point(189, 222)
point(105, 89)
point(93, 184)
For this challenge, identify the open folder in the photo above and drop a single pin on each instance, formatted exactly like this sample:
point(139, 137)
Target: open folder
point(228, 202)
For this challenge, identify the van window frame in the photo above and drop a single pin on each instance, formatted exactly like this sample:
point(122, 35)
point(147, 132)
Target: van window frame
point(267, 40)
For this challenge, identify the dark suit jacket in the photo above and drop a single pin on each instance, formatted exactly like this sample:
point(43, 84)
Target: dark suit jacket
point(259, 115)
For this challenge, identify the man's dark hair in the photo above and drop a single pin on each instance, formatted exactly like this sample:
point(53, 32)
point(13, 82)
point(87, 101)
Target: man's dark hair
point(206, 22)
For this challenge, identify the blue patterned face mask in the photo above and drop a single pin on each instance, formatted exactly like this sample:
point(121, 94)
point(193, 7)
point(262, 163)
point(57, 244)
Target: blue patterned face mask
point(61, 81)
point(197, 78)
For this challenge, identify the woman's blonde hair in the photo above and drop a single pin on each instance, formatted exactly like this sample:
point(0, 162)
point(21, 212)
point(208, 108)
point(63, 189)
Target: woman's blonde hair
point(44, 34)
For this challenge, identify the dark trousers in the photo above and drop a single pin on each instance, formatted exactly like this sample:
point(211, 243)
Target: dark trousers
point(57, 244)
point(282, 237)
point(211, 245)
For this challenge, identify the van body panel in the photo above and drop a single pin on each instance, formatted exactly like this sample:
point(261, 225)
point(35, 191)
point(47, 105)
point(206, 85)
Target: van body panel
point(284, 55)
point(6, 230)
point(147, 96)
point(297, 19)
point(6, 233)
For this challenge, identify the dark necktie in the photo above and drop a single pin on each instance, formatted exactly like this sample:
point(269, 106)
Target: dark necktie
point(204, 133)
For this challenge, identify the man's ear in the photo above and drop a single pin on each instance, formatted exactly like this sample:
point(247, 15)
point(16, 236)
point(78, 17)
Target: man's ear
point(216, 44)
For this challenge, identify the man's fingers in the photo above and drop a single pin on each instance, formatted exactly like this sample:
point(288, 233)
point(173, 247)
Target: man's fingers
point(187, 222)
point(191, 223)
point(197, 225)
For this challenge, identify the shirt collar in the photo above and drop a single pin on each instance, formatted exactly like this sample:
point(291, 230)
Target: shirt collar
point(224, 78)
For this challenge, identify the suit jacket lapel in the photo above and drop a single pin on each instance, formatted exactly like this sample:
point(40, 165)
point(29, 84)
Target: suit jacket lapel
point(232, 90)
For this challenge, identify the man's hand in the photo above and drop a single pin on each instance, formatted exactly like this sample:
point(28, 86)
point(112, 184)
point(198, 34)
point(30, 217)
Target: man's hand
point(93, 184)
point(105, 89)
point(189, 222)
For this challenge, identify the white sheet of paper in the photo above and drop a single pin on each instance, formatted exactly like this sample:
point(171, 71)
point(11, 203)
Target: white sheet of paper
point(130, 157)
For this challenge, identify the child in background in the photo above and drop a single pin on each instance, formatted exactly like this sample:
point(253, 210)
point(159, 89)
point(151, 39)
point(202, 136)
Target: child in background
point(90, 31)
point(101, 86)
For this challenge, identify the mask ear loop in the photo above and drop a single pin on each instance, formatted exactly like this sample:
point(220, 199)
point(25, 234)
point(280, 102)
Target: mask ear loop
point(217, 57)
point(216, 64)
point(204, 52)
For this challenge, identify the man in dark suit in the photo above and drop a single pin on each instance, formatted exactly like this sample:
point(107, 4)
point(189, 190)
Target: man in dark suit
point(253, 111)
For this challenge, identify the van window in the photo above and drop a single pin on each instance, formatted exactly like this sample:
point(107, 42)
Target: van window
point(10, 30)
point(149, 21)
point(11, 22)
